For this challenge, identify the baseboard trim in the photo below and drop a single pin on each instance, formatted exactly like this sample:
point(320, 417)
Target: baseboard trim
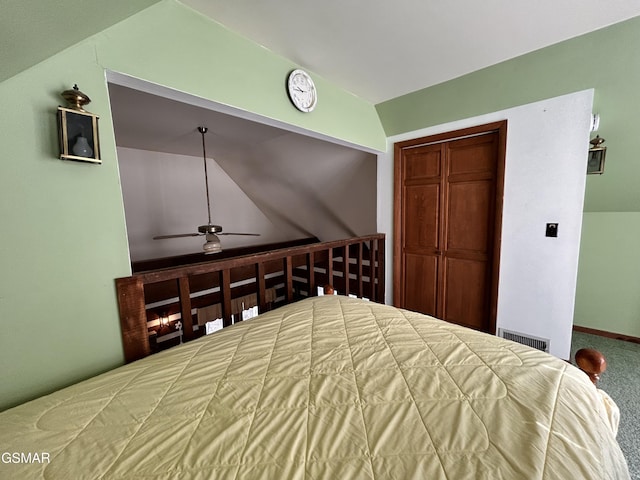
point(602, 333)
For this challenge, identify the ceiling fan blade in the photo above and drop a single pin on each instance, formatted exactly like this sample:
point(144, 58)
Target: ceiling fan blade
point(179, 235)
point(233, 233)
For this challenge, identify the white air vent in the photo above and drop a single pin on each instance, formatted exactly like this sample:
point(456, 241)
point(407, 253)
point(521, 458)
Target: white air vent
point(525, 339)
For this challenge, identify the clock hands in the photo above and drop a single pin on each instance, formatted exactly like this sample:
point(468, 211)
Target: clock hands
point(303, 94)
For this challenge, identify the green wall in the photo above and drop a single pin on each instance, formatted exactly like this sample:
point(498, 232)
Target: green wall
point(608, 293)
point(607, 61)
point(63, 236)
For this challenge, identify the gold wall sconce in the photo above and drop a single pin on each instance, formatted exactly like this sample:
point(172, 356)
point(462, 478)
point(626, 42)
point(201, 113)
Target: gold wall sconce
point(597, 153)
point(78, 129)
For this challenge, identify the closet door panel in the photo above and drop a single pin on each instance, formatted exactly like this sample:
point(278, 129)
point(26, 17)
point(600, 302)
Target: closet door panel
point(421, 280)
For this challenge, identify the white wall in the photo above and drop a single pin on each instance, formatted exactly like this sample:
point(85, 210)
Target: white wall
point(165, 194)
point(547, 144)
point(285, 188)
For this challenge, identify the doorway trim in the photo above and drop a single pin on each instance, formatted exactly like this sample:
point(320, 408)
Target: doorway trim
point(499, 127)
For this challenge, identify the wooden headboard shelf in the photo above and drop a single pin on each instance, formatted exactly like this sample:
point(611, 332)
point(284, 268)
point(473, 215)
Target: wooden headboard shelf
point(293, 272)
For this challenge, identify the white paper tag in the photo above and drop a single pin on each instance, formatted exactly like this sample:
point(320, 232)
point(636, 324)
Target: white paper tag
point(211, 327)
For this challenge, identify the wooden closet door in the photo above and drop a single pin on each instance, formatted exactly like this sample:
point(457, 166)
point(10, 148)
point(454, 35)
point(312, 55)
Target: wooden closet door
point(421, 221)
point(448, 211)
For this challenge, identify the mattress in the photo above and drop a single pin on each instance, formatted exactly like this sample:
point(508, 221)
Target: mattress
point(326, 388)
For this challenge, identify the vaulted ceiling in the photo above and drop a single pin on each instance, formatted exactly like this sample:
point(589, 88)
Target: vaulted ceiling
point(33, 30)
point(377, 49)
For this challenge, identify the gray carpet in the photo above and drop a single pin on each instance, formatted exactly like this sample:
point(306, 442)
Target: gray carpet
point(622, 382)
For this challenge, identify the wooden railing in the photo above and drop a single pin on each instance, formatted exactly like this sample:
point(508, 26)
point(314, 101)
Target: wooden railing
point(353, 266)
point(200, 257)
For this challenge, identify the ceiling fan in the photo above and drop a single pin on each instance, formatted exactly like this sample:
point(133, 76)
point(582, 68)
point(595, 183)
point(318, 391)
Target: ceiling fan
point(211, 231)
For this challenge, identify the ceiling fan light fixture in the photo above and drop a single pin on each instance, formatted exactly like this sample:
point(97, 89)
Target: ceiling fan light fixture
point(212, 244)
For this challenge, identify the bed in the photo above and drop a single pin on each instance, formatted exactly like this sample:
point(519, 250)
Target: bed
point(328, 387)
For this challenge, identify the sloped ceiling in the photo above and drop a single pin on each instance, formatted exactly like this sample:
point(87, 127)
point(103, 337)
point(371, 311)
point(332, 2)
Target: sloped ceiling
point(377, 49)
point(381, 49)
point(33, 30)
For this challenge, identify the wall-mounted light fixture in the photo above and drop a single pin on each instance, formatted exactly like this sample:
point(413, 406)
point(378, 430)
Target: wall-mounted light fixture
point(597, 153)
point(78, 129)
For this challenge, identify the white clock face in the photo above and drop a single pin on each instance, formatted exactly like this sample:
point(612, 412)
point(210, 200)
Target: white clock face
point(302, 91)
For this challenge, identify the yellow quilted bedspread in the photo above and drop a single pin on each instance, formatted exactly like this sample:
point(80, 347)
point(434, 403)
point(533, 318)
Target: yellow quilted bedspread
point(327, 388)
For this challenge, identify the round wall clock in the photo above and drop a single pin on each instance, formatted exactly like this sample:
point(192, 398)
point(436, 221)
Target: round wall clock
point(302, 91)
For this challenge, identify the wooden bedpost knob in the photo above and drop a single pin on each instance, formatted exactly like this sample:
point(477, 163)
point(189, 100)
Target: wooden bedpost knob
point(591, 362)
